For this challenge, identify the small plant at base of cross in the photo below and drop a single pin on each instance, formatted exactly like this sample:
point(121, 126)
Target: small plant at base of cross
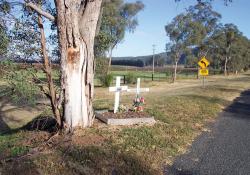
point(138, 104)
point(122, 108)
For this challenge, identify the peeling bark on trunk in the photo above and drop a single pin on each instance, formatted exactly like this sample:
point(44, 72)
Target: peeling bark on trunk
point(175, 71)
point(225, 66)
point(48, 71)
point(76, 21)
point(227, 59)
point(176, 60)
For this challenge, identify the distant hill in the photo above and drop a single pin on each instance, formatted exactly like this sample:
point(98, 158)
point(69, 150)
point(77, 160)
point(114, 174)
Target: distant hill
point(161, 59)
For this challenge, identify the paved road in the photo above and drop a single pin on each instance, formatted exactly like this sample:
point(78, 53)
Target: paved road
point(223, 151)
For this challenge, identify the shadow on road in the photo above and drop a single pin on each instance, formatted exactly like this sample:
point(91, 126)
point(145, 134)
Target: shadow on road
point(241, 106)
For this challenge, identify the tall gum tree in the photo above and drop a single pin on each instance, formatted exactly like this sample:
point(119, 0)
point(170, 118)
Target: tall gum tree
point(77, 22)
point(176, 30)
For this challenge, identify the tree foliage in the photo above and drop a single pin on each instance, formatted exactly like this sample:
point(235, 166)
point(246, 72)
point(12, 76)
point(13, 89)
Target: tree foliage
point(192, 28)
point(229, 43)
point(117, 18)
point(101, 65)
point(4, 38)
point(203, 22)
point(25, 39)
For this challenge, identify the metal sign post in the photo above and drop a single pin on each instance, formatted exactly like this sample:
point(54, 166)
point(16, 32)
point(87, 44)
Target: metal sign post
point(203, 81)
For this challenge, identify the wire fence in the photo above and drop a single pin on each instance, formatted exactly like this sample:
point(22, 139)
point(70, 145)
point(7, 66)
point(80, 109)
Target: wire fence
point(161, 74)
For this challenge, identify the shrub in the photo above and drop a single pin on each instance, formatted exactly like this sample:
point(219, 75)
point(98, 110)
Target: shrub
point(106, 80)
point(24, 89)
point(168, 73)
point(245, 69)
point(4, 66)
point(130, 78)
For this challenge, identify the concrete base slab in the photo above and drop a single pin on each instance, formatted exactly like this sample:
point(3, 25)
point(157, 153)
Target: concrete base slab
point(126, 121)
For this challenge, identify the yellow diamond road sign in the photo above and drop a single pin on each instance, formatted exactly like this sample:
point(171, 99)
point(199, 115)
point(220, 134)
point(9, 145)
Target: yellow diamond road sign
point(203, 63)
point(203, 72)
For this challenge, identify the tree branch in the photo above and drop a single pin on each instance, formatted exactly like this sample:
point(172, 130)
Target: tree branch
point(40, 11)
point(36, 8)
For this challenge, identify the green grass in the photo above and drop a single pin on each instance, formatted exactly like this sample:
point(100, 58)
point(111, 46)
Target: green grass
point(146, 76)
point(18, 150)
point(158, 76)
point(11, 145)
point(141, 138)
point(139, 73)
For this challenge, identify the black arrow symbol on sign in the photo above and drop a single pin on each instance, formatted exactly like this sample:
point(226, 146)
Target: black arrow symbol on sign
point(204, 63)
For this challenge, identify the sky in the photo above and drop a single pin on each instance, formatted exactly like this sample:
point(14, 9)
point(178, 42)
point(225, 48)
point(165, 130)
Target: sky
point(158, 13)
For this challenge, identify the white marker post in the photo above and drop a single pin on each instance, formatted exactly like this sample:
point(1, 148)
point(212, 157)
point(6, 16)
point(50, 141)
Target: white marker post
point(117, 89)
point(138, 88)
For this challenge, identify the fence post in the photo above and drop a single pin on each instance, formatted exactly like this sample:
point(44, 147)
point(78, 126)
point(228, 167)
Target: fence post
point(124, 79)
point(152, 77)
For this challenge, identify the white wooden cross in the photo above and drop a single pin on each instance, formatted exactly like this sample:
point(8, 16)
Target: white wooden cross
point(117, 89)
point(138, 89)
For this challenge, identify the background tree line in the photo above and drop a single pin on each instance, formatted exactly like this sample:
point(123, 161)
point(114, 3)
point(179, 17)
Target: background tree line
point(198, 32)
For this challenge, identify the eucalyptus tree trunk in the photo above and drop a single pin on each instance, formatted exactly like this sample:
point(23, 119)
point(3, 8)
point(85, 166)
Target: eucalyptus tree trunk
point(227, 58)
point(176, 60)
point(225, 66)
point(77, 22)
point(175, 71)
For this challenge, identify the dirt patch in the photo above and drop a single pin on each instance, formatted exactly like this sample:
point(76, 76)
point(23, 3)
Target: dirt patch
point(35, 138)
point(87, 140)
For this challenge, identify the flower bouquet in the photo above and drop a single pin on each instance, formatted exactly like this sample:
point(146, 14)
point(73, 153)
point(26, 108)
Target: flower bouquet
point(138, 104)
